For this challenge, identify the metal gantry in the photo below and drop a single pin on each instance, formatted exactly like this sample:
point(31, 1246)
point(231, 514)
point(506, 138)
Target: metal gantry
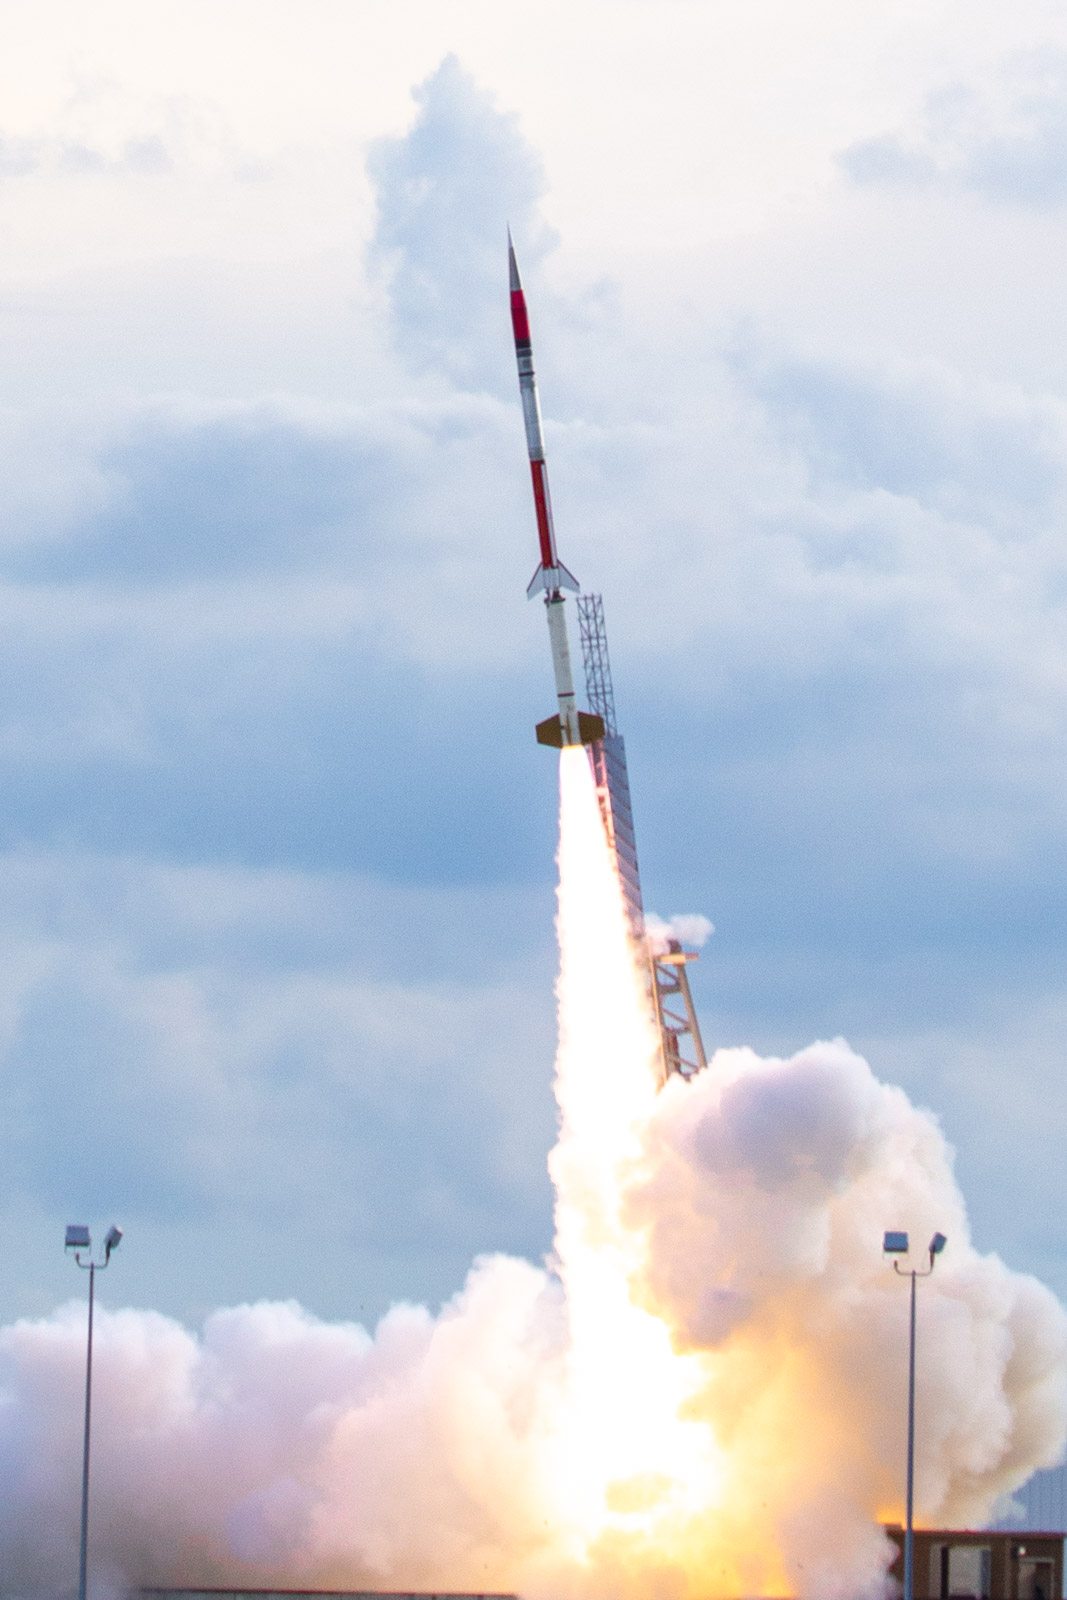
point(681, 1046)
point(679, 1030)
point(594, 636)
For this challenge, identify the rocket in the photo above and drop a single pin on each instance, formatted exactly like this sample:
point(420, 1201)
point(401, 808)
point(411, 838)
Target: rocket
point(569, 725)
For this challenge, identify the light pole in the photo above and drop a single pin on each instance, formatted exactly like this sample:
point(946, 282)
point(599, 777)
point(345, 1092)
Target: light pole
point(78, 1239)
point(896, 1244)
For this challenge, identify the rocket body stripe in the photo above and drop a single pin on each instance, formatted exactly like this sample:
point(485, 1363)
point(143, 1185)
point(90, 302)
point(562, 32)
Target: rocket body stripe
point(543, 508)
point(520, 322)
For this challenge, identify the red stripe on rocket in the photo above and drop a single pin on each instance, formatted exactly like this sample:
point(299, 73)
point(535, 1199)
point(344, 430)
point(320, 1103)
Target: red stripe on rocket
point(569, 726)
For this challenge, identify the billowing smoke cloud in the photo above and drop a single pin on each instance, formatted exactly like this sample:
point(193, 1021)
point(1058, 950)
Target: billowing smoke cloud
point(767, 1190)
point(704, 1396)
point(279, 1448)
point(689, 928)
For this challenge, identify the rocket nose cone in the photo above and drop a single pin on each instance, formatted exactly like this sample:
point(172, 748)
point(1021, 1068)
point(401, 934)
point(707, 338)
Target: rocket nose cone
point(514, 280)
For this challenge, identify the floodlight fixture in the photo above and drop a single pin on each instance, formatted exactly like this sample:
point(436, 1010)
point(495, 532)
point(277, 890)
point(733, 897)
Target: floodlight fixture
point(896, 1244)
point(77, 1239)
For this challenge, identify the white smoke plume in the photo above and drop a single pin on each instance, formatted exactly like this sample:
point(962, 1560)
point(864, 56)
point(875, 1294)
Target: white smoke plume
point(689, 928)
point(703, 1396)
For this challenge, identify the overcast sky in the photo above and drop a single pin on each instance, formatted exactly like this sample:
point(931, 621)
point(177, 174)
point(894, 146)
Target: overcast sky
point(276, 842)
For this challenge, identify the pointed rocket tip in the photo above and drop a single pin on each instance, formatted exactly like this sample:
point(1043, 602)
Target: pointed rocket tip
point(513, 266)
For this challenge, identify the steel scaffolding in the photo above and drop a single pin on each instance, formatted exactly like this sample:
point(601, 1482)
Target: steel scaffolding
point(681, 1046)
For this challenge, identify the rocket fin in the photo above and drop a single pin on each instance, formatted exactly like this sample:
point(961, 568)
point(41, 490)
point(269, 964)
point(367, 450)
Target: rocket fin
point(590, 727)
point(550, 579)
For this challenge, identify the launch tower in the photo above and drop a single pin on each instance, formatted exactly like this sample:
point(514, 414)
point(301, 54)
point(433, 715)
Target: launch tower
point(681, 1046)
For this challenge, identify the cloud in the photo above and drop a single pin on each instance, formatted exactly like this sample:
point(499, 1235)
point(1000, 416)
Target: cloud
point(18, 157)
point(690, 928)
point(798, 541)
point(378, 501)
point(104, 127)
point(145, 155)
point(446, 192)
point(182, 1046)
point(202, 497)
point(1005, 140)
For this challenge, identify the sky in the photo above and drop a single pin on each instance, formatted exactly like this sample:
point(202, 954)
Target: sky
point(276, 842)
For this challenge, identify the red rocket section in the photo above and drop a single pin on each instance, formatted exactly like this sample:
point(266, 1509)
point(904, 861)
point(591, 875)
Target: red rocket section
point(543, 508)
point(520, 322)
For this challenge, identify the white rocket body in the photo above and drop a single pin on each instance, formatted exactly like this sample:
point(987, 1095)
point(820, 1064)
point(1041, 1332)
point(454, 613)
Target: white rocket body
point(561, 666)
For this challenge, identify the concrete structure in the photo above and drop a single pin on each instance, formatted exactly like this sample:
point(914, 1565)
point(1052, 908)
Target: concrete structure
point(962, 1564)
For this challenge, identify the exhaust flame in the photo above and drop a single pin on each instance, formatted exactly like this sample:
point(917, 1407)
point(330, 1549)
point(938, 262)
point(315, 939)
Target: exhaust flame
point(704, 1398)
point(634, 1464)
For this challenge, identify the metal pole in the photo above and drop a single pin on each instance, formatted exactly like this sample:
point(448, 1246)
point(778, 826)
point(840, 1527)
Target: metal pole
point(84, 1552)
point(909, 1567)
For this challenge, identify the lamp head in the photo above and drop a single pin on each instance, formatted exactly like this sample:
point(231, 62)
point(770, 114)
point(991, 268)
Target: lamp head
point(77, 1237)
point(895, 1244)
point(937, 1244)
point(112, 1242)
